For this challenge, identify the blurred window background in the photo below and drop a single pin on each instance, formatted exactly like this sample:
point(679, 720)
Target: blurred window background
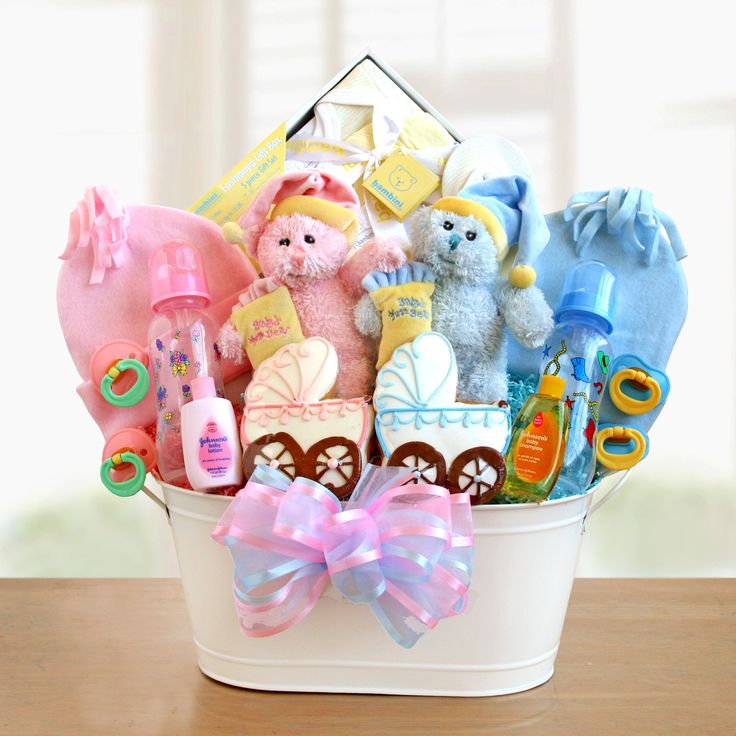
point(160, 98)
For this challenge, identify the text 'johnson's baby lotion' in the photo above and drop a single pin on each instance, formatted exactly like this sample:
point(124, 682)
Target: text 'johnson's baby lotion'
point(212, 454)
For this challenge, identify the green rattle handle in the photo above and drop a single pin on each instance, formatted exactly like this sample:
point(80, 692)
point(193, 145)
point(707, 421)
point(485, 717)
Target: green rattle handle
point(127, 487)
point(135, 393)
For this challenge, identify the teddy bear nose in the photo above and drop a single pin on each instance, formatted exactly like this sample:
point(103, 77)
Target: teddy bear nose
point(454, 241)
point(296, 256)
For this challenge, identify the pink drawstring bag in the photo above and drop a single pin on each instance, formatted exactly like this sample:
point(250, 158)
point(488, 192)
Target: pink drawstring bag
point(102, 294)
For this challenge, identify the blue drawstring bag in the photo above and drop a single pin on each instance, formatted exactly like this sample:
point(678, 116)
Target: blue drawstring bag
point(643, 247)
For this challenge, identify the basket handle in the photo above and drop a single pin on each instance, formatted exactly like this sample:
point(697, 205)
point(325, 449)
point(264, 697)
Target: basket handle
point(609, 494)
point(156, 499)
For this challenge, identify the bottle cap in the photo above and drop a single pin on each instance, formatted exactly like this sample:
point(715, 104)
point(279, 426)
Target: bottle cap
point(589, 289)
point(553, 386)
point(176, 269)
point(203, 387)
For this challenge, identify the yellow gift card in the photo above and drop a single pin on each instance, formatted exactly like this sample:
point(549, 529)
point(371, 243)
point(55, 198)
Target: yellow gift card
point(230, 197)
point(401, 183)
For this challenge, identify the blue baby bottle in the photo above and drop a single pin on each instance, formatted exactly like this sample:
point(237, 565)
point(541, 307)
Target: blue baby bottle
point(579, 351)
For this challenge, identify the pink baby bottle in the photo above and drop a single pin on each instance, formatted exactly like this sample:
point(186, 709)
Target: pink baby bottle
point(181, 343)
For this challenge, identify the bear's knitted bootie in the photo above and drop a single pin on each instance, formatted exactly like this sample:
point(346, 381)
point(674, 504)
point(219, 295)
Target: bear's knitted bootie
point(263, 321)
point(403, 297)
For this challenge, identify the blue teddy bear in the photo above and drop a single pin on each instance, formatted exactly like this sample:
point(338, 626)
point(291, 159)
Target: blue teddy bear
point(464, 239)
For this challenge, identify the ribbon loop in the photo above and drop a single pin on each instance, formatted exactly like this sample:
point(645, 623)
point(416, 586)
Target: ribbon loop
point(353, 554)
point(303, 512)
point(406, 551)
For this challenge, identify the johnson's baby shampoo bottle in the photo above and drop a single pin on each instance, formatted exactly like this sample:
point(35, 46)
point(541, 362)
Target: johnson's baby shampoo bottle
point(537, 444)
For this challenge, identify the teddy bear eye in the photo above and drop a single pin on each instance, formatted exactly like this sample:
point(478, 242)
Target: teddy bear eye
point(284, 241)
point(309, 239)
point(447, 225)
point(470, 235)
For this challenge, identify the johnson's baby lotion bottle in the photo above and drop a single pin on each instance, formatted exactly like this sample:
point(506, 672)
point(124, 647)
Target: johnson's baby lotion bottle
point(212, 455)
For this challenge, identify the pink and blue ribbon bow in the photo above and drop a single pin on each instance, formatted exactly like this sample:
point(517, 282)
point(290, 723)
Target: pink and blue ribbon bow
point(406, 551)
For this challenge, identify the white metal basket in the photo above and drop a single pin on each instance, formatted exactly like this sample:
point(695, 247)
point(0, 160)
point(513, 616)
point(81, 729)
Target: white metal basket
point(505, 642)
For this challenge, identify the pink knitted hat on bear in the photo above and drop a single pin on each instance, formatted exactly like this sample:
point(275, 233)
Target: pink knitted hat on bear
point(316, 194)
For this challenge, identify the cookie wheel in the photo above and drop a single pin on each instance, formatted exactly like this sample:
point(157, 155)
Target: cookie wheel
point(334, 462)
point(427, 463)
point(479, 471)
point(278, 450)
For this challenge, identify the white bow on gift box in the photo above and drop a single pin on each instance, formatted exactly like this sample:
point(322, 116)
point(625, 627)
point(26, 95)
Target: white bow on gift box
point(325, 146)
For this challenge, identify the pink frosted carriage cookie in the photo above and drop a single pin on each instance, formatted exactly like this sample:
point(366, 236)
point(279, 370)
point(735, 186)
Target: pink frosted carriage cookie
point(288, 424)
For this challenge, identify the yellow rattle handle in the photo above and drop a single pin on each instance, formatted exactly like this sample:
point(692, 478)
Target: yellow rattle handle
point(628, 404)
point(618, 461)
point(233, 233)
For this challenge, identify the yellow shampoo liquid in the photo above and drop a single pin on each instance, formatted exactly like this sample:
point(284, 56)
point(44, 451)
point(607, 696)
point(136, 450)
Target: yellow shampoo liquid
point(537, 445)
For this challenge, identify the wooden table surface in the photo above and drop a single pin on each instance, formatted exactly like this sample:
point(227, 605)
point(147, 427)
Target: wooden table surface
point(638, 657)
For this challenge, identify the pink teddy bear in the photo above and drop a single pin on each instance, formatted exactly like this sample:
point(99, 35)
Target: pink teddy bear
point(300, 228)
